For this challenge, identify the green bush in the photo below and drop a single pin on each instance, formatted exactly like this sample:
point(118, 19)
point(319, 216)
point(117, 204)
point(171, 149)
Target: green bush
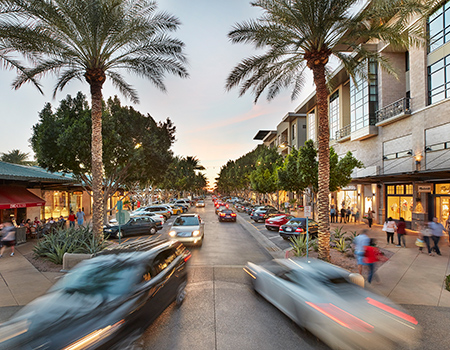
point(447, 282)
point(298, 245)
point(81, 240)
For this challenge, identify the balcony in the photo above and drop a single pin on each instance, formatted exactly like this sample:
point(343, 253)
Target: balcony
point(343, 134)
point(395, 111)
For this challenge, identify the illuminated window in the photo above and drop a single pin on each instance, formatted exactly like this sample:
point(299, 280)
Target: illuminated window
point(409, 189)
point(391, 190)
point(400, 189)
point(334, 114)
point(312, 126)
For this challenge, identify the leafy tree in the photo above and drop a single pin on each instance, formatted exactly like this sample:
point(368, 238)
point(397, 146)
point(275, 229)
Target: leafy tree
point(289, 177)
point(304, 34)
point(91, 40)
point(15, 156)
point(136, 148)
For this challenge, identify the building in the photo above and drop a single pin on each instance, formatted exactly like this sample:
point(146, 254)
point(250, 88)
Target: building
point(399, 128)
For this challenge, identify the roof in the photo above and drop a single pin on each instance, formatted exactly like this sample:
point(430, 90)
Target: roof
point(9, 171)
point(18, 197)
point(261, 135)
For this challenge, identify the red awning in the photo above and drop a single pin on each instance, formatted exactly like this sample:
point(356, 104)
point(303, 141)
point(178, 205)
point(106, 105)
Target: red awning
point(18, 197)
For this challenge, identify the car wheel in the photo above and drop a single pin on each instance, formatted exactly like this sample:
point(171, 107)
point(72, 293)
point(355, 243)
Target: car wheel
point(152, 230)
point(181, 294)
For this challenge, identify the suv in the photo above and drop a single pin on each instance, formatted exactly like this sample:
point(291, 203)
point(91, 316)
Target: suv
point(159, 209)
point(262, 213)
point(105, 302)
point(188, 229)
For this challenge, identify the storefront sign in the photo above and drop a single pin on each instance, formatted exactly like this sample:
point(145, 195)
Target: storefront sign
point(425, 188)
point(349, 188)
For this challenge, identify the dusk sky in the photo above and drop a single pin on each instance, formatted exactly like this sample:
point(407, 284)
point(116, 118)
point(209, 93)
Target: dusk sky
point(212, 124)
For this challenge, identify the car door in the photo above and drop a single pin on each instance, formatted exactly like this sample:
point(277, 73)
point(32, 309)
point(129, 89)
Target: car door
point(135, 226)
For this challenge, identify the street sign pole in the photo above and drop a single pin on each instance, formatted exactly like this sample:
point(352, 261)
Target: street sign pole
point(119, 212)
point(307, 212)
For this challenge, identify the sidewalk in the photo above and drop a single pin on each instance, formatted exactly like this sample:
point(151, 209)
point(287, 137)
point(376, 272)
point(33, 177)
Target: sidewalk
point(20, 281)
point(409, 277)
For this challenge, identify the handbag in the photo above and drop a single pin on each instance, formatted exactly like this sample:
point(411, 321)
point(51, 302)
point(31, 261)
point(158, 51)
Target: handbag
point(384, 227)
point(420, 243)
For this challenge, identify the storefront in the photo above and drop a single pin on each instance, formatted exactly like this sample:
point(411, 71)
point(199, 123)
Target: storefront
point(14, 201)
point(441, 201)
point(399, 201)
point(347, 197)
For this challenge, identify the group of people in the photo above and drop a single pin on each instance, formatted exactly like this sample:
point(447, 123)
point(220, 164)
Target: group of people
point(345, 215)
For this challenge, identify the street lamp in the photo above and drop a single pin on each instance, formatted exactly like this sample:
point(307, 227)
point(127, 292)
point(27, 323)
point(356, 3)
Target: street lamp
point(284, 145)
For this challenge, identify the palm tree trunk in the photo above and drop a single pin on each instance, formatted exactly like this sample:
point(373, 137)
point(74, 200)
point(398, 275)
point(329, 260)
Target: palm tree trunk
point(324, 161)
point(97, 158)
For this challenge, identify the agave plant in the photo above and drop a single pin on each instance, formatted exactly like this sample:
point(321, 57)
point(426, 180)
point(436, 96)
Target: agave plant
point(338, 233)
point(299, 245)
point(341, 245)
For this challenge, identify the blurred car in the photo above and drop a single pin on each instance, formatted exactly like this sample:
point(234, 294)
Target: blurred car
point(200, 204)
point(160, 209)
point(188, 229)
point(262, 213)
point(185, 202)
point(227, 215)
point(297, 226)
point(221, 207)
point(176, 210)
point(105, 302)
point(274, 223)
point(183, 207)
point(321, 297)
point(140, 225)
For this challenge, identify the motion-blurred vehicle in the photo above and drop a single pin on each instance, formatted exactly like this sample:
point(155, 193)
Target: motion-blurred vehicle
point(200, 204)
point(140, 225)
point(188, 229)
point(274, 223)
point(321, 297)
point(297, 226)
point(220, 207)
point(185, 202)
point(227, 215)
point(105, 302)
point(262, 213)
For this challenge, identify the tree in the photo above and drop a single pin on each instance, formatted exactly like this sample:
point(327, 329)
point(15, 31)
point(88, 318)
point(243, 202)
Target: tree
point(15, 156)
point(136, 148)
point(90, 40)
point(289, 177)
point(301, 34)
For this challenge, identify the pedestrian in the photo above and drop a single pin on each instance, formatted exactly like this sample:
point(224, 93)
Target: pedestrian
point(447, 228)
point(436, 233)
point(80, 217)
point(343, 214)
point(390, 227)
point(371, 257)
point(357, 216)
point(286, 207)
point(401, 232)
point(370, 213)
point(348, 214)
point(360, 242)
point(333, 214)
point(425, 235)
point(71, 219)
point(8, 238)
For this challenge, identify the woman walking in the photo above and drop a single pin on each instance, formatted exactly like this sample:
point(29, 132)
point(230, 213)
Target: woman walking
point(401, 232)
point(390, 229)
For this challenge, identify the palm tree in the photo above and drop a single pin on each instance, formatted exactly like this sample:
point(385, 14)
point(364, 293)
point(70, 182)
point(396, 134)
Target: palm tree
point(301, 34)
point(90, 40)
point(15, 156)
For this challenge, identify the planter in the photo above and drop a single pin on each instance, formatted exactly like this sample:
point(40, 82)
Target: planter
point(71, 260)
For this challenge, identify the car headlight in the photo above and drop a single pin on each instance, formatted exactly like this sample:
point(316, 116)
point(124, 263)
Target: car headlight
point(172, 233)
point(95, 337)
point(196, 233)
point(108, 230)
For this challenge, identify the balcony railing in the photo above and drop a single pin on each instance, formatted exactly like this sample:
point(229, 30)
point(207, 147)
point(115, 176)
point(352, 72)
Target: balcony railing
point(400, 107)
point(344, 132)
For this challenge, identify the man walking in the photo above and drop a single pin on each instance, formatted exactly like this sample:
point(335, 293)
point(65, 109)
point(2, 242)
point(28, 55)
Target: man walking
point(80, 217)
point(437, 232)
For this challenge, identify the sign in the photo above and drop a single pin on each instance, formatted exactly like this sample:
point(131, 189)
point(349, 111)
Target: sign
point(425, 188)
point(307, 211)
point(122, 217)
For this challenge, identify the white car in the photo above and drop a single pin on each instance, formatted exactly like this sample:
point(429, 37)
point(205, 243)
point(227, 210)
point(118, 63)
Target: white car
point(188, 229)
point(321, 297)
point(200, 204)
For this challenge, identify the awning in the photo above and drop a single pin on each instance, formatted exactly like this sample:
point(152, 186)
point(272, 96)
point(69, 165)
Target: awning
point(18, 197)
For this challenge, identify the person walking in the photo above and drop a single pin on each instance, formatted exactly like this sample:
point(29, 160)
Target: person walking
point(401, 232)
point(343, 214)
point(436, 233)
point(71, 219)
point(360, 242)
point(356, 216)
point(370, 213)
point(425, 234)
point(390, 227)
point(371, 257)
point(348, 214)
point(8, 238)
point(333, 214)
point(80, 217)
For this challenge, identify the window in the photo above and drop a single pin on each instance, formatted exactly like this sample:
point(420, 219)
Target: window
point(438, 27)
point(390, 189)
point(364, 99)
point(439, 80)
point(312, 126)
point(294, 131)
point(334, 114)
point(163, 260)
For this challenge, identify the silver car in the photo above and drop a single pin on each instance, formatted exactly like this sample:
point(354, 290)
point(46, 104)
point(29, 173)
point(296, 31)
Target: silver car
point(321, 297)
point(188, 229)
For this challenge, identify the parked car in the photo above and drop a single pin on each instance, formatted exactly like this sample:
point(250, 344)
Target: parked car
point(185, 202)
point(160, 209)
point(200, 204)
point(321, 297)
point(141, 225)
point(273, 223)
point(156, 217)
point(188, 229)
point(181, 206)
point(262, 213)
point(227, 215)
point(297, 226)
point(105, 302)
point(176, 210)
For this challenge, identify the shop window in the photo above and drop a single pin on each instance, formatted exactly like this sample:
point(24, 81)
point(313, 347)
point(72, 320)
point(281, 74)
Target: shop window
point(400, 189)
point(442, 188)
point(400, 207)
point(409, 189)
point(390, 189)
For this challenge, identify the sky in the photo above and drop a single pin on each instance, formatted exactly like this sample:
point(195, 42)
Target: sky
point(212, 124)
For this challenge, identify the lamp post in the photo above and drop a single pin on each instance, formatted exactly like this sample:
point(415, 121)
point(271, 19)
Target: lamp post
point(284, 145)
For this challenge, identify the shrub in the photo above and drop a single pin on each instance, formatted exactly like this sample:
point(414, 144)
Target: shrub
point(447, 282)
point(338, 233)
point(298, 245)
point(314, 243)
point(81, 240)
point(341, 245)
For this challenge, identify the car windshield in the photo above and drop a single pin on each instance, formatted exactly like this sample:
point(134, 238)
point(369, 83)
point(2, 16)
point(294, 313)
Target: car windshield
point(107, 277)
point(186, 221)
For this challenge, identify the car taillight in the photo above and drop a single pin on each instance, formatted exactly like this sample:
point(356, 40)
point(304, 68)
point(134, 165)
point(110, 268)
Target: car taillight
point(392, 311)
point(261, 214)
point(233, 214)
point(299, 229)
point(342, 317)
point(221, 214)
point(187, 257)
